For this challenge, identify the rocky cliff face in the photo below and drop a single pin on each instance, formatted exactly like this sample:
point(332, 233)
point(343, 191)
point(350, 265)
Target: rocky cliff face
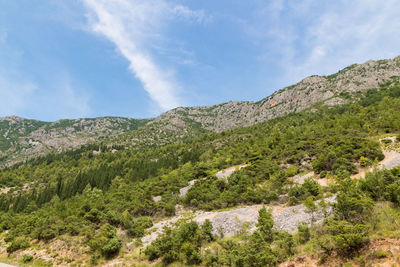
point(328, 90)
point(21, 139)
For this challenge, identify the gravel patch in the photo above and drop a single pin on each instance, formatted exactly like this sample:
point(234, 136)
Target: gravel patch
point(231, 222)
point(183, 191)
point(289, 218)
point(224, 174)
point(300, 179)
point(392, 159)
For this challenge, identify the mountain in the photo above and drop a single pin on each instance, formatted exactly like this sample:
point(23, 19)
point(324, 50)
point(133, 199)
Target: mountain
point(329, 90)
point(314, 182)
point(22, 139)
point(199, 202)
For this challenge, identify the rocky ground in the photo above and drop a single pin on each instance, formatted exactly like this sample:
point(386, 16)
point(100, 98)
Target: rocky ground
point(235, 221)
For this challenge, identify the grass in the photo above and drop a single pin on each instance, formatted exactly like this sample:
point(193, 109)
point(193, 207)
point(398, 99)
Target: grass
point(385, 221)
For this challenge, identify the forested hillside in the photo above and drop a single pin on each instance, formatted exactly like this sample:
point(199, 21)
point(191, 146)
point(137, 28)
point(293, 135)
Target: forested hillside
point(22, 139)
point(85, 208)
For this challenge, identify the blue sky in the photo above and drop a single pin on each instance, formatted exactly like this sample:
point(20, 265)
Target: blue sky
point(138, 58)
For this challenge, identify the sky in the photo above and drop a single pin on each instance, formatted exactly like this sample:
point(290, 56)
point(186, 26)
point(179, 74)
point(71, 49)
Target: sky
point(139, 58)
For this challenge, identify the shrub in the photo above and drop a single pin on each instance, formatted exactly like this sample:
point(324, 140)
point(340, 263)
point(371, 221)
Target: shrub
point(346, 236)
point(303, 233)
point(364, 162)
point(105, 241)
point(206, 231)
point(27, 258)
point(380, 254)
point(18, 243)
point(387, 141)
point(112, 247)
point(47, 234)
point(138, 227)
point(94, 215)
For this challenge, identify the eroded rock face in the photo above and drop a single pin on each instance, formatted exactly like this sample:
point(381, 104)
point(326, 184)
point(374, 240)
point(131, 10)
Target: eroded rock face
point(21, 139)
point(330, 89)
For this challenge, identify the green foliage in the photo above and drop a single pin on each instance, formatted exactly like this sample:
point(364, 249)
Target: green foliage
point(139, 226)
point(265, 224)
point(381, 254)
point(111, 247)
point(311, 207)
point(206, 231)
point(105, 241)
point(387, 141)
point(77, 193)
point(18, 243)
point(351, 204)
point(27, 258)
point(183, 242)
point(365, 162)
point(382, 185)
point(309, 188)
point(303, 233)
point(348, 237)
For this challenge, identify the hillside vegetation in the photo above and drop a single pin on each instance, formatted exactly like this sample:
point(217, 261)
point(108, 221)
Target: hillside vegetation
point(22, 139)
point(100, 205)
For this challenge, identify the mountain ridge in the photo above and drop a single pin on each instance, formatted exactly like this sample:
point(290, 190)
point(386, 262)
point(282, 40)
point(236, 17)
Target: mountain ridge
point(38, 137)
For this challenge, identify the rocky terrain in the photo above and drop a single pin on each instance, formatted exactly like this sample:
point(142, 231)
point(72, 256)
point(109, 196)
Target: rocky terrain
point(22, 139)
point(330, 90)
point(286, 218)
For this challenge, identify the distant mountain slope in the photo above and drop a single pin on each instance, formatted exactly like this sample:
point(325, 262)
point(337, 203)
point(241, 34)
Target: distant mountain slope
point(22, 139)
point(328, 90)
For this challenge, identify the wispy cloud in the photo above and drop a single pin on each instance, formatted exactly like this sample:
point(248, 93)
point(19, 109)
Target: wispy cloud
point(356, 32)
point(317, 37)
point(198, 16)
point(134, 26)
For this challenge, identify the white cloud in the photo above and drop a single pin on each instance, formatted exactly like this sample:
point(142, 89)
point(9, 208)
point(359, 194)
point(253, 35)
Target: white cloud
point(198, 16)
point(318, 37)
point(136, 26)
point(358, 31)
